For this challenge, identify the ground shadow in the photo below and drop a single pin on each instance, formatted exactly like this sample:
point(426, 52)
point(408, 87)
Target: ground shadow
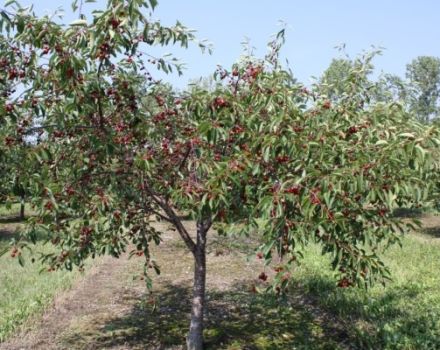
point(12, 219)
point(385, 323)
point(7, 235)
point(8, 229)
point(432, 231)
point(316, 315)
point(235, 319)
point(8, 232)
point(409, 212)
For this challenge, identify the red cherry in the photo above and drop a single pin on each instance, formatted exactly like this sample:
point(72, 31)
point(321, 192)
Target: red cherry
point(314, 198)
point(237, 129)
point(262, 276)
point(327, 105)
point(115, 23)
point(382, 212)
point(48, 206)
point(70, 191)
point(220, 102)
point(9, 107)
point(296, 189)
point(160, 100)
point(352, 130)
point(86, 230)
point(12, 74)
point(344, 283)
point(282, 159)
point(278, 268)
point(330, 215)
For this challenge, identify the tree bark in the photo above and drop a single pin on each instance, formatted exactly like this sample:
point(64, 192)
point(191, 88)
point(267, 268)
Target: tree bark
point(195, 336)
point(22, 204)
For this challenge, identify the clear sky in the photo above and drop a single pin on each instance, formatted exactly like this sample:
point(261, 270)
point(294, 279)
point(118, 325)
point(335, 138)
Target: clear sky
point(406, 28)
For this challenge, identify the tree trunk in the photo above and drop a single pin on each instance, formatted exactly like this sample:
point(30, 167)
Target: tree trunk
point(22, 203)
point(195, 337)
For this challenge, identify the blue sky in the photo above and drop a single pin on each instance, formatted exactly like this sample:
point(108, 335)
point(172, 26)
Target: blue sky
point(406, 28)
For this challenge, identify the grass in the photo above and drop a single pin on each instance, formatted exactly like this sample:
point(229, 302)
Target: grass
point(24, 291)
point(405, 314)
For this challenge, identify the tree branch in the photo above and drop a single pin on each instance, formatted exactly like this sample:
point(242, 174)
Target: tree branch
point(174, 219)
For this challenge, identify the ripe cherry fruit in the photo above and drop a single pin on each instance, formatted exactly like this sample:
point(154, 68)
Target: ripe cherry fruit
point(220, 102)
point(295, 189)
point(263, 277)
point(327, 105)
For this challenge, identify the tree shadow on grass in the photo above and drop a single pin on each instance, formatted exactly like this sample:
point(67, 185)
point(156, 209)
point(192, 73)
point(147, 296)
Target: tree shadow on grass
point(388, 320)
point(8, 232)
point(12, 219)
point(432, 231)
point(235, 319)
point(9, 229)
point(6, 236)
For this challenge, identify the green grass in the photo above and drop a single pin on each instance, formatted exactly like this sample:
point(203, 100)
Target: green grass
point(13, 211)
point(405, 314)
point(24, 291)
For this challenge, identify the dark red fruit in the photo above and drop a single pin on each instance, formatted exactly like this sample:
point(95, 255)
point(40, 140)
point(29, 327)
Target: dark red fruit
point(160, 100)
point(282, 159)
point(352, 130)
point(262, 276)
point(296, 189)
point(344, 283)
point(327, 105)
point(220, 102)
point(9, 107)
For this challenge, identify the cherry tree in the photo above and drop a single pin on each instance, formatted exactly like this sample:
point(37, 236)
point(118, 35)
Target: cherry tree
point(258, 154)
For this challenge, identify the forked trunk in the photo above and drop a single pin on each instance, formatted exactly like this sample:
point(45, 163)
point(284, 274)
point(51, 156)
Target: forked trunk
point(195, 336)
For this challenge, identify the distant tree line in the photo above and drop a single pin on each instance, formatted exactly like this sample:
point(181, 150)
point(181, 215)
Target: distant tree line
point(418, 92)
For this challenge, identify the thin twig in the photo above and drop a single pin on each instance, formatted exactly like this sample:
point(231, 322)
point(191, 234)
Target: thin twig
point(80, 9)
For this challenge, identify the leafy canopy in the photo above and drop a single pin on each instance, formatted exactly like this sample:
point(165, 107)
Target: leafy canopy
point(257, 154)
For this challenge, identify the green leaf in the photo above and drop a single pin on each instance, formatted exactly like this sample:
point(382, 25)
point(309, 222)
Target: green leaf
point(78, 22)
point(21, 260)
point(407, 135)
point(381, 142)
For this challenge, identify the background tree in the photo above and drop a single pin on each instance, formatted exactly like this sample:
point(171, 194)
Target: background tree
point(347, 77)
point(259, 154)
point(332, 80)
point(16, 169)
point(391, 87)
point(423, 74)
